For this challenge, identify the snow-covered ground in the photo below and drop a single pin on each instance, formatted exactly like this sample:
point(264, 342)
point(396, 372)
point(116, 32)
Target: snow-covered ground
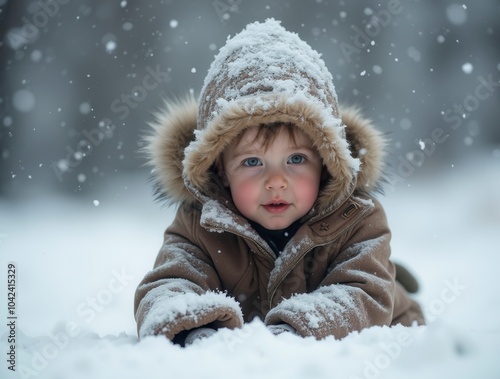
point(78, 264)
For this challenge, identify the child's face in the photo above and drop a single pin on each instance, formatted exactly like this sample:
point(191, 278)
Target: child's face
point(275, 186)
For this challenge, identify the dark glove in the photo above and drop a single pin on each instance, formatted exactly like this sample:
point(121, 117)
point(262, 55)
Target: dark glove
point(197, 334)
point(281, 328)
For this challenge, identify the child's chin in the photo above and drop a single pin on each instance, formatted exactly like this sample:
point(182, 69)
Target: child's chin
point(277, 225)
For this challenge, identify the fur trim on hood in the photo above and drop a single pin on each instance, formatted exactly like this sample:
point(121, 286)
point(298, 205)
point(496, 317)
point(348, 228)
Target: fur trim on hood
point(174, 130)
point(263, 75)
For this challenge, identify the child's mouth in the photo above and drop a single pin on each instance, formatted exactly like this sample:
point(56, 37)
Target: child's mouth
point(276, 207)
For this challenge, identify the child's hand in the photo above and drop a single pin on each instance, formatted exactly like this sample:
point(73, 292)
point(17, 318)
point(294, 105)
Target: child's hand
point(198, 334)
point(281, 328)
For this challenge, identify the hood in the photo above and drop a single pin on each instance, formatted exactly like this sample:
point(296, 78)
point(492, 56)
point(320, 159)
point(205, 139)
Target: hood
point(174, 130)
point(262, 75)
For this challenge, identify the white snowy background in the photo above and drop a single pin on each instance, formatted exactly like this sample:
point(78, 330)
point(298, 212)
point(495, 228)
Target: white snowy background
point(82, 229)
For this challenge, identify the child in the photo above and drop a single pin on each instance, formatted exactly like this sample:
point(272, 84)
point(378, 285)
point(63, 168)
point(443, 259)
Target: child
point(276, 219)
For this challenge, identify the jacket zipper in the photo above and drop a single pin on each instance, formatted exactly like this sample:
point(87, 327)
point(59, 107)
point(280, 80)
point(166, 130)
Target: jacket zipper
point(301, 255)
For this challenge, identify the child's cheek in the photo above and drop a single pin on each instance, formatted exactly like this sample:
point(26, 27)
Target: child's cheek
point(307, 188)
point(249, 188)
point(244, 192)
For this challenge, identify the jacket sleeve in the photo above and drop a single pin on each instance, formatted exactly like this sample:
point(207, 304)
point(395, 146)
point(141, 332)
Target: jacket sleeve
point(358, 290)
point(181, 292)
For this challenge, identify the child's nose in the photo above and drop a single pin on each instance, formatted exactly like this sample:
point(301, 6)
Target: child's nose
point(276, 180)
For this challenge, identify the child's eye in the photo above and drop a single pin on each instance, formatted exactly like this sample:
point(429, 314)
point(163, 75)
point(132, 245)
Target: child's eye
point(252, 162)
point(296, 159)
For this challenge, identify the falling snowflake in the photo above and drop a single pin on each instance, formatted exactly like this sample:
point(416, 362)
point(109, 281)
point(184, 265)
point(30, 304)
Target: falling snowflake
point(467, 68)
point(110, 46)
point(23, 100)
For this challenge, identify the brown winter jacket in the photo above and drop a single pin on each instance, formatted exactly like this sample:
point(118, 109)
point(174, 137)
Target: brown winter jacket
point(334, 276)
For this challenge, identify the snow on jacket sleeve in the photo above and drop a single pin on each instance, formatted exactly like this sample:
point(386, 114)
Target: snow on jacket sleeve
point(358, 291)
point(177, 295)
